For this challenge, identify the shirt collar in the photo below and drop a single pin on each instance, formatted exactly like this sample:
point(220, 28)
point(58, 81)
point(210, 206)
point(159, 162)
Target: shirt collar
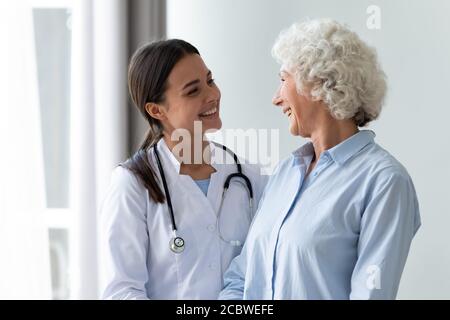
point(169, 156)
point(349, 147)
point(339, 153)
point(302, 154)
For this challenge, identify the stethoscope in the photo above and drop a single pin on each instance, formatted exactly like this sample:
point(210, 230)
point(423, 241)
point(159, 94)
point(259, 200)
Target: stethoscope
point(177, 243)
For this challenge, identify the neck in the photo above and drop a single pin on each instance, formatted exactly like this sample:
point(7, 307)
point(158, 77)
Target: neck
point(331, 134)
point(194, 153)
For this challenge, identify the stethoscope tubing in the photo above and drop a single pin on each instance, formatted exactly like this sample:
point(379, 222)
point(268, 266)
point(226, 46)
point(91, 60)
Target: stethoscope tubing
point(177, 243)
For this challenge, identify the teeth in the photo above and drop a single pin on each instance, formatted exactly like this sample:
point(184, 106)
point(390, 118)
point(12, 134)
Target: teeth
point(208, 113)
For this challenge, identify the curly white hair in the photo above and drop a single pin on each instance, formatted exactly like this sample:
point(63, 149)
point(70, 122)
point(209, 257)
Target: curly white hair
point(336, 66)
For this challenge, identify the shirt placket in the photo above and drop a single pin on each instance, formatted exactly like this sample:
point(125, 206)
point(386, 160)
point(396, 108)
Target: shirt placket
point(276, 231)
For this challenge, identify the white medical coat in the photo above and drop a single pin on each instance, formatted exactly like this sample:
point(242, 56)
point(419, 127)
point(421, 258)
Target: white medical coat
point(136, 231)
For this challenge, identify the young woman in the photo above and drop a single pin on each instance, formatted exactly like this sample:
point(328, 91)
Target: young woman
point(171, 223)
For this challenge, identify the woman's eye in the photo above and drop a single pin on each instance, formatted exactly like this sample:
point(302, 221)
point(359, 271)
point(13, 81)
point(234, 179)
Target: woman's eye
point(211, 81)
point(192, 91)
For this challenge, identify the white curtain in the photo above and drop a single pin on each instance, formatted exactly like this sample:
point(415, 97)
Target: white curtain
point(24, 250)
point(98, 125)
point(99, 140)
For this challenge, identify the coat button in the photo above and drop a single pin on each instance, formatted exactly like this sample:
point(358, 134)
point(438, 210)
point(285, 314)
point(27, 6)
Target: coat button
point(211, 227)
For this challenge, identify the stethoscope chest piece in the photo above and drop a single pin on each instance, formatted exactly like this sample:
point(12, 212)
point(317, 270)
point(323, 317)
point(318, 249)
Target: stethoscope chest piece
point(177, 245)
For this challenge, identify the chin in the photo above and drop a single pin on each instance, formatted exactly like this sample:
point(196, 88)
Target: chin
point(293, 129)
point(212, 127)
point(293, 132)
point(298, 133)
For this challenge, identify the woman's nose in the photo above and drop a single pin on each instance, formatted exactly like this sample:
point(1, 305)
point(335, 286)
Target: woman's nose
point(214, 94)
point(276, 100)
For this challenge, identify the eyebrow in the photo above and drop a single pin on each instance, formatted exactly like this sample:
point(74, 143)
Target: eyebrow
point(190, 83)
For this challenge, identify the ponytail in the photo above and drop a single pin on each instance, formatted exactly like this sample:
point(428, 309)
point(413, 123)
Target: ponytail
point(139, 164)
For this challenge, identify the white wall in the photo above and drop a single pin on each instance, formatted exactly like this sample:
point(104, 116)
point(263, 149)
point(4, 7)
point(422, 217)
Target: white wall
point(235, 38)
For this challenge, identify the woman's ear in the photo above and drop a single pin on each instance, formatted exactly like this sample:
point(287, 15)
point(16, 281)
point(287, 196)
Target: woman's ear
point(155, 110)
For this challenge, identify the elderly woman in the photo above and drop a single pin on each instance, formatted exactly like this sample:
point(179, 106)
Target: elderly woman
point(338, 216)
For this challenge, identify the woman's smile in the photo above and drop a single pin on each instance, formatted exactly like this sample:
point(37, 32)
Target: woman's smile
point(287, 111)
point(211, 113)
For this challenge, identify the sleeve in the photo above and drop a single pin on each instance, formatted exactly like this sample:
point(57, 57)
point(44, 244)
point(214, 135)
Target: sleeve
point(234, 278)
point(388, 224)
point(124, 238)
point(259, 192)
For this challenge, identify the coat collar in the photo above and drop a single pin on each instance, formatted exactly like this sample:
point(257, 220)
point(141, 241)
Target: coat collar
point(216, 160)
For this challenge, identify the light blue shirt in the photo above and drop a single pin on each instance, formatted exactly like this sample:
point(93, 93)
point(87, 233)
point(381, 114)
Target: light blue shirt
point(203, 184)
point(343, 232)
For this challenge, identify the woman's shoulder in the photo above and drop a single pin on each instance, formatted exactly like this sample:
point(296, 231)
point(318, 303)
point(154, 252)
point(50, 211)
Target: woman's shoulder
point(124, 180)
point(125, 195)
point(384, 163)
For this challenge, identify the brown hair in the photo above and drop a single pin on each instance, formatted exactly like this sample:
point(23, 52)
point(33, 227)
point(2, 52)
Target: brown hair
point(148, 71)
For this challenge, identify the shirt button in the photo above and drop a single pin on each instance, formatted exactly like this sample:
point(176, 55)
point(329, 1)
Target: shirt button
point(211, 227)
